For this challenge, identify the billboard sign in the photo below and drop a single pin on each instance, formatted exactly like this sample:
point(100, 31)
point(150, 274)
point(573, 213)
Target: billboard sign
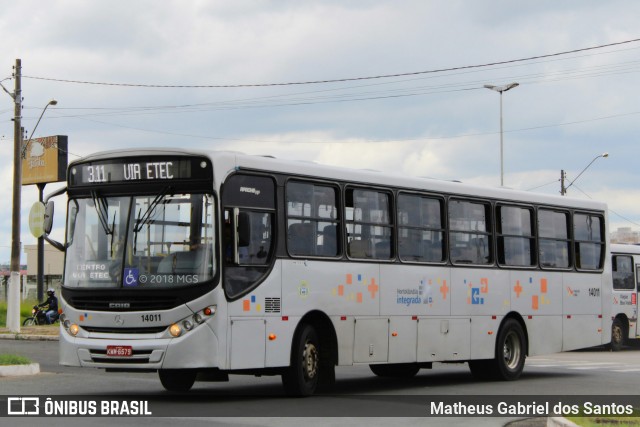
point(45, 160)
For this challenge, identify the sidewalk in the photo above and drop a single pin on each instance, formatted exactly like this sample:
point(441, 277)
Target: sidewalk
point(36, 333)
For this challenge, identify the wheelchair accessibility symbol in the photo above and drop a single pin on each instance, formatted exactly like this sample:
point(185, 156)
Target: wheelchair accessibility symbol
point(131, 277)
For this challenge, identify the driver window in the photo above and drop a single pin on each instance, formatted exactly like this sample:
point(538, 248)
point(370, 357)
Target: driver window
point(248, 231)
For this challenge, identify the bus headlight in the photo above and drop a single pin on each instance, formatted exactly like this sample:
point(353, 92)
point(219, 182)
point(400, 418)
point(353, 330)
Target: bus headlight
point(175, 330)
point(183, 326)
point(73, 329)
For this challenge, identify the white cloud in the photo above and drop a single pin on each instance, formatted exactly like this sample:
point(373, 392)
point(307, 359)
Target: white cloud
point(220, 42)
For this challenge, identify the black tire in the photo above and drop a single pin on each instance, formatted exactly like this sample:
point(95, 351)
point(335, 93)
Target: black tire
point(617, 335)
point(29, 321)
point(511, 351)
point(301, 377)
point(395, 370)
point(177, 379)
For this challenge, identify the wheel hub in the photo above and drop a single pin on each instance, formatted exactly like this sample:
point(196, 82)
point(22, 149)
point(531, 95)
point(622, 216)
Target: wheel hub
point(310, 360)
point(511, 351)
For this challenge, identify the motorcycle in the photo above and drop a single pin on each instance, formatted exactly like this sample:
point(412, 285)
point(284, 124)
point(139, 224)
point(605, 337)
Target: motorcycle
point(38, 317)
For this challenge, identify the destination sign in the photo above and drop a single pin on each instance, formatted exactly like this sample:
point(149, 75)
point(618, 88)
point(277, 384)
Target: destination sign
point(136, 170)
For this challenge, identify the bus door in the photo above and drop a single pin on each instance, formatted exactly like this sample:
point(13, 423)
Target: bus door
point(626, 275)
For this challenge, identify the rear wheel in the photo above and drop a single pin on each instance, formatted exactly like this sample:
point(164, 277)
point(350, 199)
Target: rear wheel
point(177, 379)
point(511, 351)
point(397, 370)
point(510, 355)
point(617, 335)
point(301, 378)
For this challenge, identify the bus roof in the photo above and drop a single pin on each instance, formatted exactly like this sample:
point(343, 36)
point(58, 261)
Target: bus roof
point(309, 169)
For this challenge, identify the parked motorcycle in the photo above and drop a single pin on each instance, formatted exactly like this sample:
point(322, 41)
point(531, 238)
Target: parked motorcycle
point(38, 317)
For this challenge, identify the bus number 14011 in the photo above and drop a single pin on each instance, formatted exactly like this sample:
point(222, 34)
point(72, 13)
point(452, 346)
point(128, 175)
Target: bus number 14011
point(151, 317)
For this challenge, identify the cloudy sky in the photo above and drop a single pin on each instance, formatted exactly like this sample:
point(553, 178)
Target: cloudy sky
point(387, 106)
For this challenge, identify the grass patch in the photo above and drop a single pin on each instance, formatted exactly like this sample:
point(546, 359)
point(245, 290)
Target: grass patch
point(13, 359)
point(25, 311)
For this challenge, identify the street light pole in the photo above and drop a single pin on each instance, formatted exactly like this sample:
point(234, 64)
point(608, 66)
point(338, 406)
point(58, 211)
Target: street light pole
point(563, 189)
point(501, 89)
point(13, 300)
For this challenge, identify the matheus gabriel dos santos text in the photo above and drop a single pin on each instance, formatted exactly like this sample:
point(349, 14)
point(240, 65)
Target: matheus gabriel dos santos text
point(529, 409)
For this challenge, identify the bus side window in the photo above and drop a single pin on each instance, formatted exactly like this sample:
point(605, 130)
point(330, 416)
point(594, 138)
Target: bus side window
point(623, 272)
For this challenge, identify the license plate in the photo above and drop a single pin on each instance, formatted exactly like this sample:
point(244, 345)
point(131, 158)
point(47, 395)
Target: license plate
point(119, 350)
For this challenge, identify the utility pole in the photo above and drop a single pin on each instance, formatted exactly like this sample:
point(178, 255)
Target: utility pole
point(13, 300)
point(563, 189)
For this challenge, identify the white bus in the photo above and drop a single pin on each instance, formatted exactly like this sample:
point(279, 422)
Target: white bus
point(626, 285)
point(197, 265)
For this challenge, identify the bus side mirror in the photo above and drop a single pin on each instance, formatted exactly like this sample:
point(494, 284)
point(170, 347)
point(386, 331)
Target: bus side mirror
point(48, 217)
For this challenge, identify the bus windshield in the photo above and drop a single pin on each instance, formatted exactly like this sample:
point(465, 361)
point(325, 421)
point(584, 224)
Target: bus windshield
point(152, 241)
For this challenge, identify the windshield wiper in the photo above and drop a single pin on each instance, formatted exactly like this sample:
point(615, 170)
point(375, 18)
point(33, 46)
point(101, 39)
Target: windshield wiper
point(141, 221)
point(102, 208)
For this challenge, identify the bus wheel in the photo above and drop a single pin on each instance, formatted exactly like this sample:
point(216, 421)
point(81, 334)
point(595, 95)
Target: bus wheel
point(617, 335)
point(177, 379)
point(397, 370)
point(301, 378)
point(510, 351)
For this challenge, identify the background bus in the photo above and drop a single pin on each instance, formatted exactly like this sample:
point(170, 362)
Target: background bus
point(626, 285)
point(202, 264)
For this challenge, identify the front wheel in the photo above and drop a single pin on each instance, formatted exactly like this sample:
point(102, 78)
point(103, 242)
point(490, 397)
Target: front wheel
point(617, 335)
point(29, 321)
point(177, 379)
point(301, 378)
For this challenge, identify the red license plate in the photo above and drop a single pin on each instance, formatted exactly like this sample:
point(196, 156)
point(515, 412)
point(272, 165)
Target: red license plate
point(119, 350)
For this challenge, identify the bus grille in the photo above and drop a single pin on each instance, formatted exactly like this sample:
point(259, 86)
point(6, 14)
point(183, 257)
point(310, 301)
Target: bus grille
point(272, 305)
point(148, 330)
point(129, 304)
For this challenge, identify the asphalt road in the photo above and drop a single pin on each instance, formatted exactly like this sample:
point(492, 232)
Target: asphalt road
point(247, 400)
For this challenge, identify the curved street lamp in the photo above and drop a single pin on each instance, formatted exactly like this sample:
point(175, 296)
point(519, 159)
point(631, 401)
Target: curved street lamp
point(563, 189)
point(26, 145)
point(501, 89)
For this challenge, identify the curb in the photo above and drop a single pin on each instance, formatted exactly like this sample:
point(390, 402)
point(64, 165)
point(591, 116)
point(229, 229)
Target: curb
point(19, 370)
point(29, 337)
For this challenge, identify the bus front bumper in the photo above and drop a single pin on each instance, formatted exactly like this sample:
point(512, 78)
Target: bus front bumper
point(196, 349)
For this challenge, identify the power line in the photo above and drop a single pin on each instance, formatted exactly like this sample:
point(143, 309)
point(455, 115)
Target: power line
point(543, 185)
point(398, 140)
point(349, 79)
point(295, 99)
